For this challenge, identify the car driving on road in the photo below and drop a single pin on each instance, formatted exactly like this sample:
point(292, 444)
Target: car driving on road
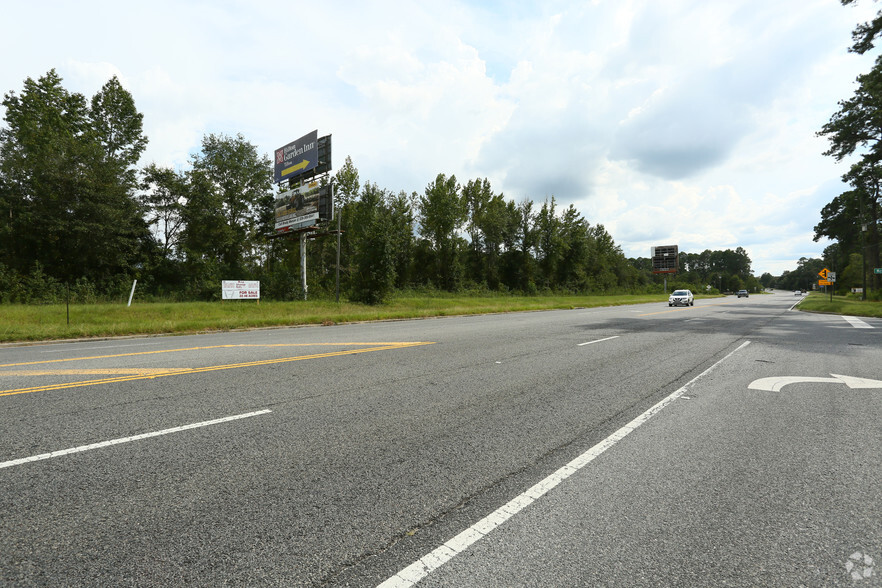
point(681, 297)
point(744, 293)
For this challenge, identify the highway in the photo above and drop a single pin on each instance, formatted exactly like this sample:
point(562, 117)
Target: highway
point(736, 443)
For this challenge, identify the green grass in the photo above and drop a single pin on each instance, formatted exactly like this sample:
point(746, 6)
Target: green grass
point(47, 322)
point(820, 302)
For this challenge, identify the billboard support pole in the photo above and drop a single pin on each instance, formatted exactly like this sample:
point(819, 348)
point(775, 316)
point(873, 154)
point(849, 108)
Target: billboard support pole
point(303, 262)
point(338, 254)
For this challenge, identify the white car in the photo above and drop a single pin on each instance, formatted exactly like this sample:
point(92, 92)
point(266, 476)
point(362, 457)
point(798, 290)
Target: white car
point(683, 297)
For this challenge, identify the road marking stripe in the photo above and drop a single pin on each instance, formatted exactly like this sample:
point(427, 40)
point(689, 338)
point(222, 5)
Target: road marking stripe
point(210, 368)
point(415, 572)
point(396, 343)
point(857, 323)
point(67, 347)
point(598, 341)
point(80, 449)
point(92, 372)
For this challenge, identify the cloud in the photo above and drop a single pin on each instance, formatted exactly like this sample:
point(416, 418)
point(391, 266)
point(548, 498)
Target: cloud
point(679, 120)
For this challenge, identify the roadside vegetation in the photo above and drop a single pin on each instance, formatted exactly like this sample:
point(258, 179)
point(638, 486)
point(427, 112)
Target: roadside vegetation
point(20, 322)
point(850, 304)
point(81, 219)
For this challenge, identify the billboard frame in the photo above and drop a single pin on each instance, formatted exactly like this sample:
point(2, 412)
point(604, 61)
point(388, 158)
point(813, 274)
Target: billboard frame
point(665, 259)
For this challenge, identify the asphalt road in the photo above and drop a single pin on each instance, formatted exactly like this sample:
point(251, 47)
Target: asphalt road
point(630, 446)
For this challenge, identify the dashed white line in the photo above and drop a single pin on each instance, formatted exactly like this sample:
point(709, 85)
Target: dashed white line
point(857, 323)
point(412, 574)
point(24, 460)
point(598, 340)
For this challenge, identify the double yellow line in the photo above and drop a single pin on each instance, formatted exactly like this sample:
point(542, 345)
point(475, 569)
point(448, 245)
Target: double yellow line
point(183, 371)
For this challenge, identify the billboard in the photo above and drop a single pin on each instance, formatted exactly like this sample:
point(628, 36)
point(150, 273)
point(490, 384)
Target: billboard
point(665, 259)
point(303, 206)
point(297, 157)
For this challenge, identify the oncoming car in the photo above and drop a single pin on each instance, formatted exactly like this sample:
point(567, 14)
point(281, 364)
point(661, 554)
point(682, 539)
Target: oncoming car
point(743, 293)
point(683, 297)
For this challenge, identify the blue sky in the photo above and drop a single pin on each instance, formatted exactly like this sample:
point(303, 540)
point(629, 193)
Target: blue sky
point(668, 121)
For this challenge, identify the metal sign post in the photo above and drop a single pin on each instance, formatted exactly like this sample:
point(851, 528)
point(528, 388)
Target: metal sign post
point(303, 262)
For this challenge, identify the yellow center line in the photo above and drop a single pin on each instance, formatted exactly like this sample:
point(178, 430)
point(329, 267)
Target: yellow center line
point(91, 372)
point(346, 344)
point(179, 372)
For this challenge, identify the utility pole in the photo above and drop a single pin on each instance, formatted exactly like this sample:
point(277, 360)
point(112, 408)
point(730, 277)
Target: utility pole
point(863, 245)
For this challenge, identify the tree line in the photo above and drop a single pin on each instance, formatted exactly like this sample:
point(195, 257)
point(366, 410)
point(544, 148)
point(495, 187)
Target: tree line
point(79, 217)
point(852, 219)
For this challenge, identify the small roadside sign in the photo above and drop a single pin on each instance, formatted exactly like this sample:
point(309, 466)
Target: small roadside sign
point(823, 273)
point(877, 270)
point(825, 283)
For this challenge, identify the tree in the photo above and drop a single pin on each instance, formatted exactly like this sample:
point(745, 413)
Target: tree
point(865, 34)
point(118, 127)
point(442, 214)
point(519, 265)
point(163, 193)
point(489, 222)
point(852, 276)
point(549, 247)
point(228, 212)
point(858, 122)
point(577, 247)
point(401, 225)
point(67, 182)
point(374, 248)
point(347, 183)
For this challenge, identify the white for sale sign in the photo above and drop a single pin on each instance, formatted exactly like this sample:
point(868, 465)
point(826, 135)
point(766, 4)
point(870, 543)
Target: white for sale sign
point(240, 290)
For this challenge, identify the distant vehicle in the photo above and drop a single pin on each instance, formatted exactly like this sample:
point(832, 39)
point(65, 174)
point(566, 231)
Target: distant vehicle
point(797, 292)
point(683, 297)
point(743, 293)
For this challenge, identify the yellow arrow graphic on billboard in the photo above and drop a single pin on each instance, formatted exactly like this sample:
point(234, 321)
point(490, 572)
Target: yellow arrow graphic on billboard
point(297, 167)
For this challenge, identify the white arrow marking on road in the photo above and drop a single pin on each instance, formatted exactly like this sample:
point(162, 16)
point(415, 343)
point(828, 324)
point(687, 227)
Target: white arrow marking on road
point(775, 384)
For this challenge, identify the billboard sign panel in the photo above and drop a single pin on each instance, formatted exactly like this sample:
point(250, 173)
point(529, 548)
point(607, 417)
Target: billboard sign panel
point(296, 158)
point(298, 206)
point(240, 290)
point(665, 259)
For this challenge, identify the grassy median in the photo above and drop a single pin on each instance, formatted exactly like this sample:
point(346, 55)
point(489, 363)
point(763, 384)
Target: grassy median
point(48, 322)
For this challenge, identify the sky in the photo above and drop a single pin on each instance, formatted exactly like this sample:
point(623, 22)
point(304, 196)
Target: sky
point(687, 122)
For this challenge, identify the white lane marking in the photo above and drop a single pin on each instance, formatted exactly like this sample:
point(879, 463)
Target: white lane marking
point(857, 323)
point(775, 383)
point(23, 460)
point(415, 572)
point(598, 341)
point(69, 348)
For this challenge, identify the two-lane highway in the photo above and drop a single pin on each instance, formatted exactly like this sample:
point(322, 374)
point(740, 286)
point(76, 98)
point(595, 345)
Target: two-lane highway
point(351, 455)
